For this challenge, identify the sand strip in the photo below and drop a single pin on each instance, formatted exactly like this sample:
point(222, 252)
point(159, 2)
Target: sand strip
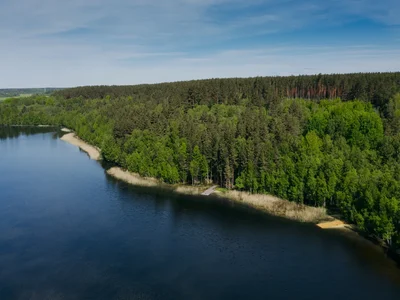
point(332, 224)
point(267, 203)
point(132, 178)
point(92, 151)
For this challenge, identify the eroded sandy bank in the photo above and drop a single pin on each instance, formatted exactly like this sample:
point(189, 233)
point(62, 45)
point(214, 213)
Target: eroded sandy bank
point(92, 151)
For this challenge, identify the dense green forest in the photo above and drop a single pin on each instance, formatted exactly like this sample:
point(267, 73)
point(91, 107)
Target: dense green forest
point(373, 87)
point(323, 140)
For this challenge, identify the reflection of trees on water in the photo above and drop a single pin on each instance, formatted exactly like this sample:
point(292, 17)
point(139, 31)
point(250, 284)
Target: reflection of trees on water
point(13, 132)
point(179, 206)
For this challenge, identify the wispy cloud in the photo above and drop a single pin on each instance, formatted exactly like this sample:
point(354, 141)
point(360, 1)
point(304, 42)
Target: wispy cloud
point(63, 43)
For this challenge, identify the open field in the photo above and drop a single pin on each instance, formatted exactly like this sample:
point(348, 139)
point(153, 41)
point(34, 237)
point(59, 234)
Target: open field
point(19, 96)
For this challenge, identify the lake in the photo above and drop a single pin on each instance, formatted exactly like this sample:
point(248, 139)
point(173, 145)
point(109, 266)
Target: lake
point(70, 231)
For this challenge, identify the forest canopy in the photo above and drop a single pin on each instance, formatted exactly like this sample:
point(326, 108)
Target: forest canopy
point(323, 140)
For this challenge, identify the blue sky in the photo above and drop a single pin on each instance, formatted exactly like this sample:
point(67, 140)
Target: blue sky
point(86, 42)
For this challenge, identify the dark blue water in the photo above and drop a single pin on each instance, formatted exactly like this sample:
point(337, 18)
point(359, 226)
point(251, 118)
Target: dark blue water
point(68, 231)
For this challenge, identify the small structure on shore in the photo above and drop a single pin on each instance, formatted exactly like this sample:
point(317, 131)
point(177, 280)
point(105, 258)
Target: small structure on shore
point(209, 191)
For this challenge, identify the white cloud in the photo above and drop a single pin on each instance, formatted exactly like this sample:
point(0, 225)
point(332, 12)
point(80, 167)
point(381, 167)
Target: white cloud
point(98, 68)
point(66, 43)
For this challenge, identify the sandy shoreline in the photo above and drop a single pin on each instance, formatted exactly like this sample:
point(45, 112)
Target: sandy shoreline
point(92, 151)
point(332, 224)
point(265, 203)
point(132, 178)
point(260, 202)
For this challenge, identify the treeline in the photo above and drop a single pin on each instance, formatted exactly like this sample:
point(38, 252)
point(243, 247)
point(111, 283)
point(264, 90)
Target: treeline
point(8, 93)
point(376, 88)
point(16, 131)
point(344, 155)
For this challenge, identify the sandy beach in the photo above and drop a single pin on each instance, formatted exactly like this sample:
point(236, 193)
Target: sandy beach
point(92, 151)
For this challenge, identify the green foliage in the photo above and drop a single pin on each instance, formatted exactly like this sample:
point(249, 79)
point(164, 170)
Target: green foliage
point(243, 134)
point(376, 88)
point(356, 121)
point(198, 166)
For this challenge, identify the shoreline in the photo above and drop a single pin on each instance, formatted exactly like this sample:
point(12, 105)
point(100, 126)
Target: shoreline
point(262, 203)
point(72, 138)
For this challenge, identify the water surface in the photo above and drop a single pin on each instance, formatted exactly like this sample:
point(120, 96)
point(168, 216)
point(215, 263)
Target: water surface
point(69, 231)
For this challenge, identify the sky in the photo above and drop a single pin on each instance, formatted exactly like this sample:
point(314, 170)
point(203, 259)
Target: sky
point(65, 43)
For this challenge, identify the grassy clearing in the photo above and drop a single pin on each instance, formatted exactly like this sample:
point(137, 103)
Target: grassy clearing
point(221, 190)
point(19, 96)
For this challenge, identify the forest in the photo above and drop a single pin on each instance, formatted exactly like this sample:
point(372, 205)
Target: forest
point(322, 140)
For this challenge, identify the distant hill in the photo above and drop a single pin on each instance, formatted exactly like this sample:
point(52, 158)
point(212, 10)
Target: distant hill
point(6, 93)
